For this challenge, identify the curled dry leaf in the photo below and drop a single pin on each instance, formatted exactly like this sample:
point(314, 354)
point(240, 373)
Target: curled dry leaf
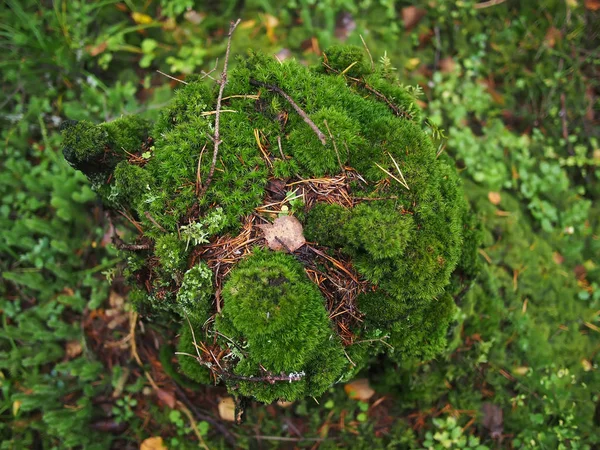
point(494, 198)
point(359, 390)
point(227, 409)
point(153, 443)
point(166, 397)
point(493, 419)
point(285, 233)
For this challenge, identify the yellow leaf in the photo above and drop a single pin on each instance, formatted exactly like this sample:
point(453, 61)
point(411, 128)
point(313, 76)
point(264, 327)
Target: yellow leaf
point(153, 443)
point(521, 370)
point(227, 409)
point(412, 63)
point(16, 406)
point(141, 18)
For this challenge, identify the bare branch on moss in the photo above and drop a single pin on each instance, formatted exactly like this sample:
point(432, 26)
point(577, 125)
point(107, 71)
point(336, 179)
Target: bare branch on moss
point(222, 82)
point(269, 377)
point(363, 84)
point(172, 78)
point(207, 74)
point(122, 245)
point(290, 100)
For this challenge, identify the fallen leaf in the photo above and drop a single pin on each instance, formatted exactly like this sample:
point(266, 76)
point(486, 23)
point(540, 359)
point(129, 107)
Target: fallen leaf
point(153, 443)
point(285, 233)
point(592, 5)
point(141, 18)
point(411, 16)
point(558, 258)
point(493, 419)
point(166, 397)
point(552, 35)
point(16, 406)
point(73, 349)
point(521, 370)
point(97, 49)
point(271, 23)
point(494, 198)
point(194, 16)
point(359, 390)
point(227, 409)
point(447, 65)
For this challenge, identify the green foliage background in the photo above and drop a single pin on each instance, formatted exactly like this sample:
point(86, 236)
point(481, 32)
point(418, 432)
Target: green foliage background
point(527, 338)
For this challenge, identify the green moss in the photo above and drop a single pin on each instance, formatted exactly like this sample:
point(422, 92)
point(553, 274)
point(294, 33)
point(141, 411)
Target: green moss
point(127, 133)
point(409, 232)
point(279, 314)
point(131, 182)
point(349, 59)
point(194, 299)
point(170, 250)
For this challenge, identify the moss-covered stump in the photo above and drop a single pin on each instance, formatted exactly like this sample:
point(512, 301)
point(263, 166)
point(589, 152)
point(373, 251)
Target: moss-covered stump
point(381, 246)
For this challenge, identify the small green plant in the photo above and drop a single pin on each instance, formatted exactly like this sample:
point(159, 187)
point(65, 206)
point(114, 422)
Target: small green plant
point(449, 434)
point(123, 409)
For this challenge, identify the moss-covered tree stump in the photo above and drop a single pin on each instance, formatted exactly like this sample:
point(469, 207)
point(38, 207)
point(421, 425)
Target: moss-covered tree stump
point(324, 231)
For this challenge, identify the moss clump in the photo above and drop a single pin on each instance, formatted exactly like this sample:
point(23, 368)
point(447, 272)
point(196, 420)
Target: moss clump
point(381, 211)
point(279, 315)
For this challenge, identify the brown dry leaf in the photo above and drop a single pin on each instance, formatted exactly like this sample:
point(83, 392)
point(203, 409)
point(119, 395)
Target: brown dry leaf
point(73, 349)
point(558, 258)
point(493, 419)
point(194, 16)
point(153, 443)
point(227, 409)
point(97, 49)
point(592, 5)
point(552, 35)
point(447, 65)
point(167, 397)
point(285, 233)
point(359, 390)
point(494, 198)
point(411, 16)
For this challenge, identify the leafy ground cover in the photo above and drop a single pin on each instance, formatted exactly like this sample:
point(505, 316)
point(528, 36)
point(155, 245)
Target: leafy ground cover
point(514, 86)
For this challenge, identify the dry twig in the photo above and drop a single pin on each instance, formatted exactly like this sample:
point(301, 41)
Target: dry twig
point(217, 136)
point(290, 100)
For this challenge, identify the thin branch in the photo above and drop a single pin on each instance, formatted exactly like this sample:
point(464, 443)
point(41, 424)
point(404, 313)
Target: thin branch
point(278, 90)
point(151, 219)
point(222, 82)
point(198, 176)
point(280, 149)
point(334, 146)
point(172, 78)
